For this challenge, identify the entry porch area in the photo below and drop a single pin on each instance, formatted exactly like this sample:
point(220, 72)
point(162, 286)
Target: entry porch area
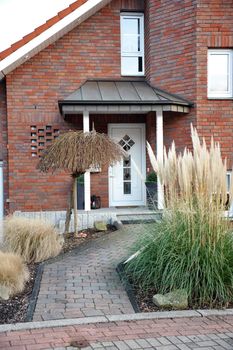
point(130, 112)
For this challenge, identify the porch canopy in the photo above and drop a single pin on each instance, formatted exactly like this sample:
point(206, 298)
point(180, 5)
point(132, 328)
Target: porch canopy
point(123, 97)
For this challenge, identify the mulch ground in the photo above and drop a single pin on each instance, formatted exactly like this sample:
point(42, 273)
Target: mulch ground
point(15, 309)
point(144, 299)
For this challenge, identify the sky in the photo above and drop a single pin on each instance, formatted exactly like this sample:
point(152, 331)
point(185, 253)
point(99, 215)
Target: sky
point(20, 17)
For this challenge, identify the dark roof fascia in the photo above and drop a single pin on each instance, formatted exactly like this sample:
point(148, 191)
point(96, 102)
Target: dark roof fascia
point(121, 103)
point(114, 103)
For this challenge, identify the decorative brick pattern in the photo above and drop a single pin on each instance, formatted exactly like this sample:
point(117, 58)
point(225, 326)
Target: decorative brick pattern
point(41, 137)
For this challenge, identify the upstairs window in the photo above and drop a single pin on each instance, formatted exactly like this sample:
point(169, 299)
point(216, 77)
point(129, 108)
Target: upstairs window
point(132, 44)
point(220, 73)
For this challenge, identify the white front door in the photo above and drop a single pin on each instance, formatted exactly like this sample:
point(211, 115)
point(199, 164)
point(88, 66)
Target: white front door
point(127, 178)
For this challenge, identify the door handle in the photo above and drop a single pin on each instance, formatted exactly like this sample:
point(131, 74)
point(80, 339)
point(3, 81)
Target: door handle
point(111, 172)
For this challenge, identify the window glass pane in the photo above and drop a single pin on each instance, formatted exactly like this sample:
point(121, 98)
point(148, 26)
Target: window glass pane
point(127, 162)
point(218, 73)
point(131, 26)
point(127, 174)
point(127, 188)
point(130, 43)
point(129, 65)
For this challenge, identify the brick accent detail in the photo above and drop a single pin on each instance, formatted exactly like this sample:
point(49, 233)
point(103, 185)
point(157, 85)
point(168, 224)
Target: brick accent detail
point(41, 137)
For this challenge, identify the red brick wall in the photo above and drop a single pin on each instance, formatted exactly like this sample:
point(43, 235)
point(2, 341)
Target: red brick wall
point(170, 56)
point(214, 30)
point(92, 50)
point(3, 138)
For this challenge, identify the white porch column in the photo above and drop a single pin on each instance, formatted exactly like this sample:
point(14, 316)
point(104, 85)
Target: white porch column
point(87, 175)
point(159, 151)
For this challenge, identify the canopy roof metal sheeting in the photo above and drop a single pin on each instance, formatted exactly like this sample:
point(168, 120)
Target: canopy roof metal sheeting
point(121, 96)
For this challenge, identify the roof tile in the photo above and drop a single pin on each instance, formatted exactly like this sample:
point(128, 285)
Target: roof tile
point(37, 31)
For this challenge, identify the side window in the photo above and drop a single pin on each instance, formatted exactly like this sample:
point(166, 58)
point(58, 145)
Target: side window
point(220, 73)
point(132, 44)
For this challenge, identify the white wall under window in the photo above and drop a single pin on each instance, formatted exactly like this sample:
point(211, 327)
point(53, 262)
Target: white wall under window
point(220, 79)
point(132, 44)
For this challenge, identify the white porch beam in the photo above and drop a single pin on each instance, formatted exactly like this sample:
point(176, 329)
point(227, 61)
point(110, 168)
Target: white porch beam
point(87, 175)
point(159, 151)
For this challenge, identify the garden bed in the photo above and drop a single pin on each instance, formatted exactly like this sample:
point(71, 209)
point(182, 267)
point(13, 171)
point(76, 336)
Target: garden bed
point(140, 299)
point(16, 309)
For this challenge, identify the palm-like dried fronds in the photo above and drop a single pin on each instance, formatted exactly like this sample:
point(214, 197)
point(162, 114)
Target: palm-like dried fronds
point(76, 152)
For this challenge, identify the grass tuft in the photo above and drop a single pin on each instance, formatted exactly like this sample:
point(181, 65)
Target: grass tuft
point(13, 273)
point(33, 239)
point(192, 247)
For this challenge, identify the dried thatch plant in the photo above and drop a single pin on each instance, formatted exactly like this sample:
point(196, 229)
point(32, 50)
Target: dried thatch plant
point(76, 152)
point(192, 247)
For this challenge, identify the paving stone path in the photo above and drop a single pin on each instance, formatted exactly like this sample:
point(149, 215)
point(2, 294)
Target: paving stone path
point(85, 282)
point(205, 333)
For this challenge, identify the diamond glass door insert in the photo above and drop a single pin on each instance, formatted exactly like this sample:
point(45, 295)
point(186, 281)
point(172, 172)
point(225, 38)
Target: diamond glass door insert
point(126, 142)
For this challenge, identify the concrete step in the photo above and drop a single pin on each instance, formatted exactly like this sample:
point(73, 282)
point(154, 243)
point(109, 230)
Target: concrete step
point(139, 218)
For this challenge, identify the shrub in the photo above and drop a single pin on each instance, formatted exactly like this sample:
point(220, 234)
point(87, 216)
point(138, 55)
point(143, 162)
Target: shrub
point(192, 247)
point(13, 274)
point(33, 239)
point(151, 177)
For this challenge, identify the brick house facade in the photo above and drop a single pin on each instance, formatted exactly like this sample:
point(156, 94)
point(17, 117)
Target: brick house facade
point(177, 37)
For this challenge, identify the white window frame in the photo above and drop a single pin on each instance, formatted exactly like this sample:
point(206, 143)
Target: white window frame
point(140, 53)
point(222, 94)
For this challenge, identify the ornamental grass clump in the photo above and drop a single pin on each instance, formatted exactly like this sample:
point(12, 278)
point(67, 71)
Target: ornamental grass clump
point(191, 248)
point(13, 275)
point(33, 239)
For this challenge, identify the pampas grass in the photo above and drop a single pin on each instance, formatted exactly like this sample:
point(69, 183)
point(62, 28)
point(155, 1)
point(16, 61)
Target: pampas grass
point(33, 239)
point(13, 273)
point(192, 247)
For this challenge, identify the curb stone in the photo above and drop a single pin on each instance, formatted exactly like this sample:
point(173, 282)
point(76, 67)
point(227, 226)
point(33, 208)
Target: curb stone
point(115, 318)
point(35, 292)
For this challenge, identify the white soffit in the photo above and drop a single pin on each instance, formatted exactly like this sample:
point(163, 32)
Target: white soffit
point(49, 36)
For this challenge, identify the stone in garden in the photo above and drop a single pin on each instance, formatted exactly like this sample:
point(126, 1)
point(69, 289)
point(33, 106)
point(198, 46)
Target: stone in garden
point(118, 225)
point(100, 226)
point(177, 300)
point(4, 292)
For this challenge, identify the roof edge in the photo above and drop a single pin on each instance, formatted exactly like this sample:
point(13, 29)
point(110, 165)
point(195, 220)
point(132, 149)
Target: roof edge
point(50, 35)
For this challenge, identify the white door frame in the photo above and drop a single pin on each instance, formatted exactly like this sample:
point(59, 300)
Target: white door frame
point(143, 150)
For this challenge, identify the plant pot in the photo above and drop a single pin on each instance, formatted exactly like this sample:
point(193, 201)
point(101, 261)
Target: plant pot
point(151, 194)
